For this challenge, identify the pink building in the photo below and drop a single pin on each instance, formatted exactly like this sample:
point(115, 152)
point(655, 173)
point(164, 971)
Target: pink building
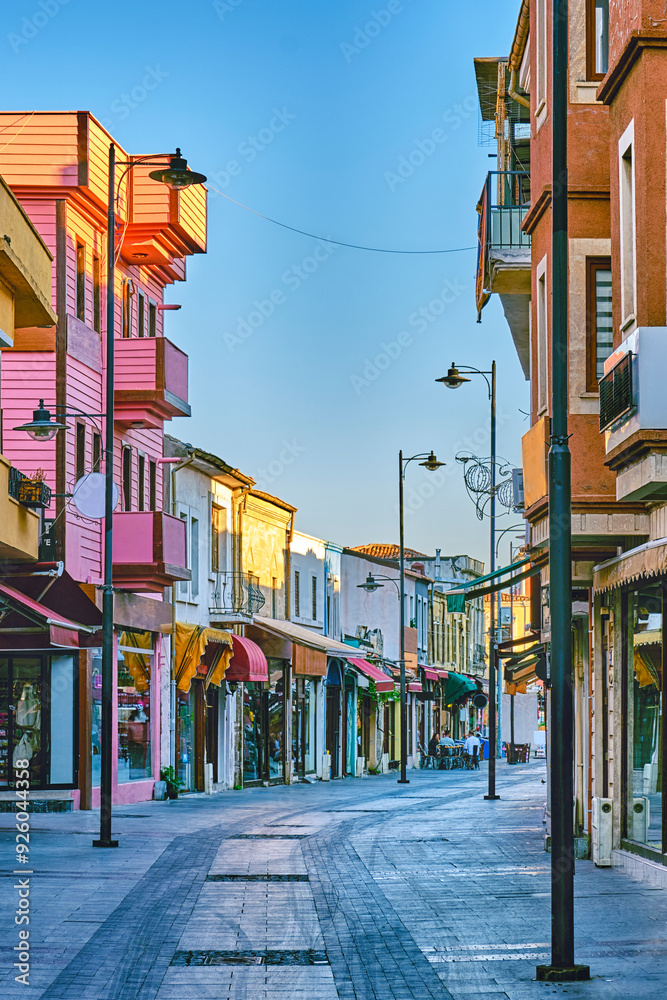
point(57, 166)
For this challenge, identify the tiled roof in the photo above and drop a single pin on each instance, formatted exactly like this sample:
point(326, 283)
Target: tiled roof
point(382, 551)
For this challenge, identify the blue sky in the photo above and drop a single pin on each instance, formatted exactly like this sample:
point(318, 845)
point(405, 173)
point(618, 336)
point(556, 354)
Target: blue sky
point(311, 367)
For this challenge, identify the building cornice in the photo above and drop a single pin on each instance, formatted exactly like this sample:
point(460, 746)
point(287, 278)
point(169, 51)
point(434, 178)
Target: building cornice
point(636, 45)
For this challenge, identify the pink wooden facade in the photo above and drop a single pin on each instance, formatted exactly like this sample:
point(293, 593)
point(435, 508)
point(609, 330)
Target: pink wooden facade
point(57, 166)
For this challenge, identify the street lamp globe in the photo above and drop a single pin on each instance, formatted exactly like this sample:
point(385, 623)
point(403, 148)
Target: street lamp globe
point(177, 175)
point(370, 585)
point(42, 427)
point(453, 379)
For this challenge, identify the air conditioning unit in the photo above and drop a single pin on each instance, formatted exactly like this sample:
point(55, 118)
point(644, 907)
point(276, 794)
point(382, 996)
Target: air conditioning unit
point(601, 830)
point(641, 819)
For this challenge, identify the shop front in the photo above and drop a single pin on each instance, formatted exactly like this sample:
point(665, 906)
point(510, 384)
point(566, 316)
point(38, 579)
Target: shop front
point(201, 659)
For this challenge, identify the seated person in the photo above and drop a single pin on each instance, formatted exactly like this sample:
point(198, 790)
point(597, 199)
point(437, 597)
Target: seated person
point(446, 739)
point(433, 745)
point(472, 744)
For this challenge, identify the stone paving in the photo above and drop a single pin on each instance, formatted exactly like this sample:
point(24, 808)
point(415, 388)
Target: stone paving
point(359, 889)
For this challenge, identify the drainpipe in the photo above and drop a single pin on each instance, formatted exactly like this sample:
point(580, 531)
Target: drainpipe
point(517, 53)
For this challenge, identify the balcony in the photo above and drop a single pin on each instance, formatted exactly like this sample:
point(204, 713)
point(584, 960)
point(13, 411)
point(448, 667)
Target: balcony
point(235, 599)
point(633, 416)
point(19, 525)
point(151, 382)
point(163, 224)
point(503, 263)
point(149, 550)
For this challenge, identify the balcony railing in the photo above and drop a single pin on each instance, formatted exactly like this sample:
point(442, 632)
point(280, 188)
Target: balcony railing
point(149, 550)
point(236, 595)
point(507, 195)
point(30, 492)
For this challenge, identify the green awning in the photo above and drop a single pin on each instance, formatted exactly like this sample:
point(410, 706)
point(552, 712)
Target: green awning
point(492, 582)
point(458, 686)
point(456, 604)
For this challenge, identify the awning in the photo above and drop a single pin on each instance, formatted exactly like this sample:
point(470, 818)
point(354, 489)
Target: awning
point(248, 662)
point(190, 647)
point(431, 675)
point(19, 613)
point(643, 562)
point(500, 579)
point(414, 686)
point(303, 636)
point(458, 686)
point(382, 682)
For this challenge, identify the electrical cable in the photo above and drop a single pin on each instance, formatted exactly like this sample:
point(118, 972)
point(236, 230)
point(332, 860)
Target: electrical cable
point(327, 239)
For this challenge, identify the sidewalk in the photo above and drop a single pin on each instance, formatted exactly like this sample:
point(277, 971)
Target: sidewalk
point(353, 889)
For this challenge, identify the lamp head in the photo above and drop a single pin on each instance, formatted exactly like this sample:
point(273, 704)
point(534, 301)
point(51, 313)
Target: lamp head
point(453, 379)
point(177, 175)
point(42, 427)
point(370, 584)
point(432, 463)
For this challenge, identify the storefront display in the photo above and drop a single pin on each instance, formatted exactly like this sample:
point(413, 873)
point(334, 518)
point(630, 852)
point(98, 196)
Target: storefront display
point(37, 694)
point(643, 639)
point(135, 669)
point(303, 725)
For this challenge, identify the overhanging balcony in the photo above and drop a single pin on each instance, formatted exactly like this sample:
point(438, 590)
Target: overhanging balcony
point(19, 525)
point(503, 262)
point(149, 550)
point(151, 377)
point(633, 415)
point(235, 599)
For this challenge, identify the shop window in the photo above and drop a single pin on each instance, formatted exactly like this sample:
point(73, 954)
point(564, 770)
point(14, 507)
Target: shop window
point(644, 723)
point(96, 719)
point(81, 282)
point(597, 38)
point(297, 610)
point(97, 301)
point(127, 478)
point(599, 329)
point(135, 669)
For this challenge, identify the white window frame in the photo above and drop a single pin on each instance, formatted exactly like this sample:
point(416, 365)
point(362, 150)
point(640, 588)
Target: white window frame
point(541, 60)
point(185, 591)
point(542, 339)
point(628, 227)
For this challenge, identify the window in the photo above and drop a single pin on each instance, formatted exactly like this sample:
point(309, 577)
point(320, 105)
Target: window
point(152, 319)
point(194, 558)
point(97, 451)
point(184, 585)
point(297, 612)
point(80, 457)
point(218, 532)
point(542, 55)
point(81, 282)
point(126, 324)
point(599, 332)
point(127, 479)
point(152, 485)
point(141, 317)
point(141, 483)
point(97, 302)
point(542, 338)
point(597, 38)
point(313, 596)
point(627, 217)
point(135, 669)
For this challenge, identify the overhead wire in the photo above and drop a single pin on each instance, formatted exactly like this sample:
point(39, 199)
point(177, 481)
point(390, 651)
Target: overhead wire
point(328, 239)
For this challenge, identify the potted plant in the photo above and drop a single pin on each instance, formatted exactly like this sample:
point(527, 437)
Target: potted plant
point(173, 782)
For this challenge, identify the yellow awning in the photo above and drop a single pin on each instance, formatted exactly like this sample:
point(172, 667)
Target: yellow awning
point(190, 646)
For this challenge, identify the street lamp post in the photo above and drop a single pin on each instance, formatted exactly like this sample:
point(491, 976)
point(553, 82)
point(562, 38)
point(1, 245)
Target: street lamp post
point(431, 463)
point(176, 175)
point(453, 380)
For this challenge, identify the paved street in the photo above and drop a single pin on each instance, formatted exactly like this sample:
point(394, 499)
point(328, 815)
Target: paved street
point(355, 889)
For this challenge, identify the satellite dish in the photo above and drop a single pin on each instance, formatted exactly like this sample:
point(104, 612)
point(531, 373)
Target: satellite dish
point(89, 495)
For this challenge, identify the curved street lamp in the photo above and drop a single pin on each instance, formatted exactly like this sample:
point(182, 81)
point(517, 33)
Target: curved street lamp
point(453, 380)
point(370, 584)
point(430, 462)
point(176, 175)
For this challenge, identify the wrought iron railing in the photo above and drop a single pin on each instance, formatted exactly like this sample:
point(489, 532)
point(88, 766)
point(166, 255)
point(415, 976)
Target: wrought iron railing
point(29, 492)
point(616, 392)
point(236, 593)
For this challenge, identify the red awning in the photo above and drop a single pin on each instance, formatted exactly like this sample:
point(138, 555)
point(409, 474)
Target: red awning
point(431, 675)
point(442, 674)
point(382, 682)
point(415, 686)
point(61, 630)
point(248, 661)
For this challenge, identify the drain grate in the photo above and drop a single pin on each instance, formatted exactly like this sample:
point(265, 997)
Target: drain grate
point(257, 878)
point(265, 957)
point(268, 836)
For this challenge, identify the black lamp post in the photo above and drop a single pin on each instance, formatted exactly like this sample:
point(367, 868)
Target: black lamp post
point(430, 462)
point(174, 174)
point(453, 380)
